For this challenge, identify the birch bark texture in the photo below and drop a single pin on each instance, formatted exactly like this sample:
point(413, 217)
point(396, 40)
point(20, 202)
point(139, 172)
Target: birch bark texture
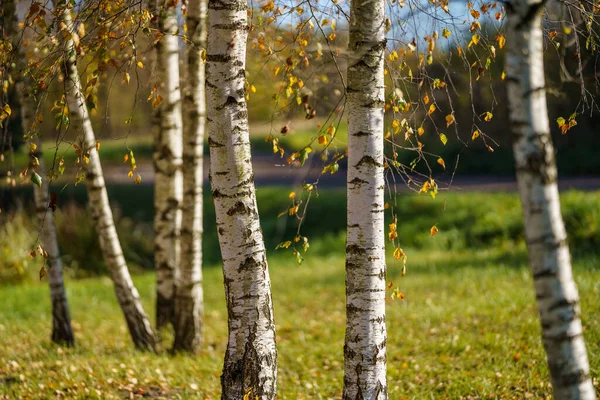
point(365, 343)
point(62, 332)
point(549, 257)
point(189, 297)
point(250, 366)
point(167, 159)
point(127, 295)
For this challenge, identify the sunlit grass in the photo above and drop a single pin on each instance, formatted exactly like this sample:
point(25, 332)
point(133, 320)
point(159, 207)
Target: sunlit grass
point(112, 150)
point(468, 327)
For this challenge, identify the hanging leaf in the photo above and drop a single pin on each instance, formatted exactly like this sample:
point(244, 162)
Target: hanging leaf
point(443, 139)
point(501, 39)
point(36, 179)
point(441, 162)
point(434, 230)
point(398, 253)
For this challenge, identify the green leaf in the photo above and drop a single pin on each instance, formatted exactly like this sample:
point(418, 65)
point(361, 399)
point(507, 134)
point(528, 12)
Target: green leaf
point(304, 154)
point(36, 179)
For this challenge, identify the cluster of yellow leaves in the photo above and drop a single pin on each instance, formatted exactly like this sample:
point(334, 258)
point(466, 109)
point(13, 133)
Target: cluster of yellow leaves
point(396, 294)
point(129, 157)
point(430, 186)
point(565, 126)
point(5, 112)
point(155, 97)
point(392, 234)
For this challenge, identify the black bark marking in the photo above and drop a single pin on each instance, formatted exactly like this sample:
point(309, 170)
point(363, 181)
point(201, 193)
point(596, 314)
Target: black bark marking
point(357, 181)
point(370, 161)
point(238, 208)
point(355, 250)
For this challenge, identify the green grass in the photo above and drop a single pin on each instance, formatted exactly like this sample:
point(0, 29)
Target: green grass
point(466, 221)
point(467, 327)
point(113, 150)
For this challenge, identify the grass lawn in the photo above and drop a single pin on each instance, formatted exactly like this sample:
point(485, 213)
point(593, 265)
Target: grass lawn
point(113, 150)
point(468, 328)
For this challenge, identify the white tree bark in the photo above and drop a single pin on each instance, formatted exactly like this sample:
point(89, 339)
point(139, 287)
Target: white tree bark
point(549, 257)
point(365, 344)
point(189, 299)
point(127, 295)
point(167, 153)
point(251, 358)
point(62, 332)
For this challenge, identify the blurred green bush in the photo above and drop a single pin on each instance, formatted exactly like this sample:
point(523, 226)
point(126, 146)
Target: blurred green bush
point(465, 221)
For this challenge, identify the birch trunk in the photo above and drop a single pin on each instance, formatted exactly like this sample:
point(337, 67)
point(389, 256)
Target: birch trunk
point(250, 365)
point(62, 332)
point(549, 258)
point(127, 295)
point(189, 299)
point(168, 181)
point(365, 344)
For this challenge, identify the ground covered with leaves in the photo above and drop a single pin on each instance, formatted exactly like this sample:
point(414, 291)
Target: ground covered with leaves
point(467, 328)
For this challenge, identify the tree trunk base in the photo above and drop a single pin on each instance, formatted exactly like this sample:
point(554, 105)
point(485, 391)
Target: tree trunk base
point(188, 325)
point(165, 311)
point(62, 333)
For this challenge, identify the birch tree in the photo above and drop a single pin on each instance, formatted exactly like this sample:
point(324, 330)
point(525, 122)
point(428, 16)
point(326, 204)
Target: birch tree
point(549, 257)
point(189, 302)
point(127, 295)
point(167, 153)
point(62, 332)
point(250, 366)
point(365, 343)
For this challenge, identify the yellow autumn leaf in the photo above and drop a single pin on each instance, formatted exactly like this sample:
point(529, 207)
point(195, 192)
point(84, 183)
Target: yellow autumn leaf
point(475, 134)
point(292, 195)
point(449, 120)
point(501, 39)
point(434, 230)
point(156, 102)
point(398, 253)
point(443, 138)
point(431, 110)
point(474, 40)
point(441, 162)
point(420, 131)
point(140, 64)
